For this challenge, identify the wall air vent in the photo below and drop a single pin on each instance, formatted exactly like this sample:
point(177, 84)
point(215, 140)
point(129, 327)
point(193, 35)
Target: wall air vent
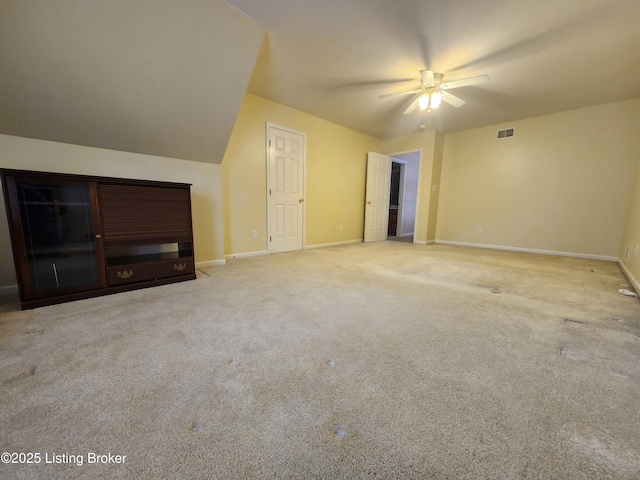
point(506, 133)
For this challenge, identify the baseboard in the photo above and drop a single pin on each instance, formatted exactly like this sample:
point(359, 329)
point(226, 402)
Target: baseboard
point(211, 263)
point(246, 254)
point(421, 242)
point(306, 247)
point(9, 290)
point(334, 244)
point(430, 242)
point(632, 280)
point(529, 250)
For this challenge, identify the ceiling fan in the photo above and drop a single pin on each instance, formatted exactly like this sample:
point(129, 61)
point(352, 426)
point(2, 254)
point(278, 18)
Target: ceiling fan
point(433, 91)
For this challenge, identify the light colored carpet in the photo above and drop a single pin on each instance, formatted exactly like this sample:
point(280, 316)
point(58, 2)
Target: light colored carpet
point(387, 360)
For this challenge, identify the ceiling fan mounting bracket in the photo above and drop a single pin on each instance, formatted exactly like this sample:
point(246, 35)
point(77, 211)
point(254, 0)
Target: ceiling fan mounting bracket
point(437, 80)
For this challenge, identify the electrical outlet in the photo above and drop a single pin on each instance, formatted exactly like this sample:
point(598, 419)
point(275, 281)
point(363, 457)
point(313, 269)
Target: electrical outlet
point(341, 228)
point(479, 230)
point(254, 234)
point(637, 248)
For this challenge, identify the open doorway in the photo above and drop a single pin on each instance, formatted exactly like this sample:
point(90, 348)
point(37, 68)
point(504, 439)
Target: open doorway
point(395, 197)
point(403, 194)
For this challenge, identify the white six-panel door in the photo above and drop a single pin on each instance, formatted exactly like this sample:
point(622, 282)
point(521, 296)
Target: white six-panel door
point(376, 216)
point(286, 154)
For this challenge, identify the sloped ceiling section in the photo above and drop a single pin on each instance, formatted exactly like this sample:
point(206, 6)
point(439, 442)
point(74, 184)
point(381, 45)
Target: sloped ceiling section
point(155, 77)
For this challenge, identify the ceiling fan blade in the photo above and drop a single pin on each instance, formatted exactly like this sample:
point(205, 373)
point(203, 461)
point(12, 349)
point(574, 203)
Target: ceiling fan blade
point(412, 107)
point(400, 93)
point(427, 78)
point(463, 82)
point(452, 99)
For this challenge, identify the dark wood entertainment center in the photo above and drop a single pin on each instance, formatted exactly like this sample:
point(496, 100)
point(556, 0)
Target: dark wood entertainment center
point(76, 236)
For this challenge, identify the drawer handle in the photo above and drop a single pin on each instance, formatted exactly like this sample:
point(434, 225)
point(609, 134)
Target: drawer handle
point(179, 266)
point(125, 274)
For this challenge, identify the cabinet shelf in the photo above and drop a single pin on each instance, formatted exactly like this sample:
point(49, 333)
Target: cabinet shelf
point(152, 257)
point(57, 204)
point(61, 250)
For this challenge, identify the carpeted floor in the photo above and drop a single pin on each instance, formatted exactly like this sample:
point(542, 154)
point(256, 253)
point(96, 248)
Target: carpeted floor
point(405, 239)
point(387, 360)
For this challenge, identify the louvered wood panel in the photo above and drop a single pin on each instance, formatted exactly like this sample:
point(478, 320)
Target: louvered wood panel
point(141, 214)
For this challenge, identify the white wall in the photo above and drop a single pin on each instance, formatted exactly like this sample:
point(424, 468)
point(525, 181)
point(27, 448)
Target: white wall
point(206, 191)
point(562, 184)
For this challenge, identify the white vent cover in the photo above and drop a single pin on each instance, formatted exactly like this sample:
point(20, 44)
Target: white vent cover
point(506, 133)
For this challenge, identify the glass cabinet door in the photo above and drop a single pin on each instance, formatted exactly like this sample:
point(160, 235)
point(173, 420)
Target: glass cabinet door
point(58, 229)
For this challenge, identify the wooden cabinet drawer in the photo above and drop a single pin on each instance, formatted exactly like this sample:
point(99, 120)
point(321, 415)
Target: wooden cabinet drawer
point(140, 272)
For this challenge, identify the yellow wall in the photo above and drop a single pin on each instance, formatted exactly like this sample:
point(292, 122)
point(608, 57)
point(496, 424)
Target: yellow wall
point(335, 177)
point(206, 180)
point(631, 238)
point(562, 184)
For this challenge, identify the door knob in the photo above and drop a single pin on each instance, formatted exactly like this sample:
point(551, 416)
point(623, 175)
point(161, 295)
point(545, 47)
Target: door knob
point(98, 236)
point(368, 202)
point(300, 200)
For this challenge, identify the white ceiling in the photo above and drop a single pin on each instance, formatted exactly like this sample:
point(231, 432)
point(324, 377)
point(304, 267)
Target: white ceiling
point(335, 58)
point(167, 78)
point(158, 77)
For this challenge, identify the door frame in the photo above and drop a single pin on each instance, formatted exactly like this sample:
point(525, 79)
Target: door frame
point(419, 151)
point(403, 172)
point(268, 127)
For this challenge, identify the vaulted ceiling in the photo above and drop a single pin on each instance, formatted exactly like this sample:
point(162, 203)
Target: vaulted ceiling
point(167, 78)
point(156, 77)
point(335, 58)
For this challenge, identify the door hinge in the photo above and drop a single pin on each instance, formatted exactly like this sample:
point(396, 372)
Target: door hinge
point(269, 237)
point(269, 142)
point(269, 191)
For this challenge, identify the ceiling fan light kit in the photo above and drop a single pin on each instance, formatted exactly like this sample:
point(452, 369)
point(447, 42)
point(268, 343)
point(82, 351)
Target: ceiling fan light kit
point(433, 91)
point(429, 101)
